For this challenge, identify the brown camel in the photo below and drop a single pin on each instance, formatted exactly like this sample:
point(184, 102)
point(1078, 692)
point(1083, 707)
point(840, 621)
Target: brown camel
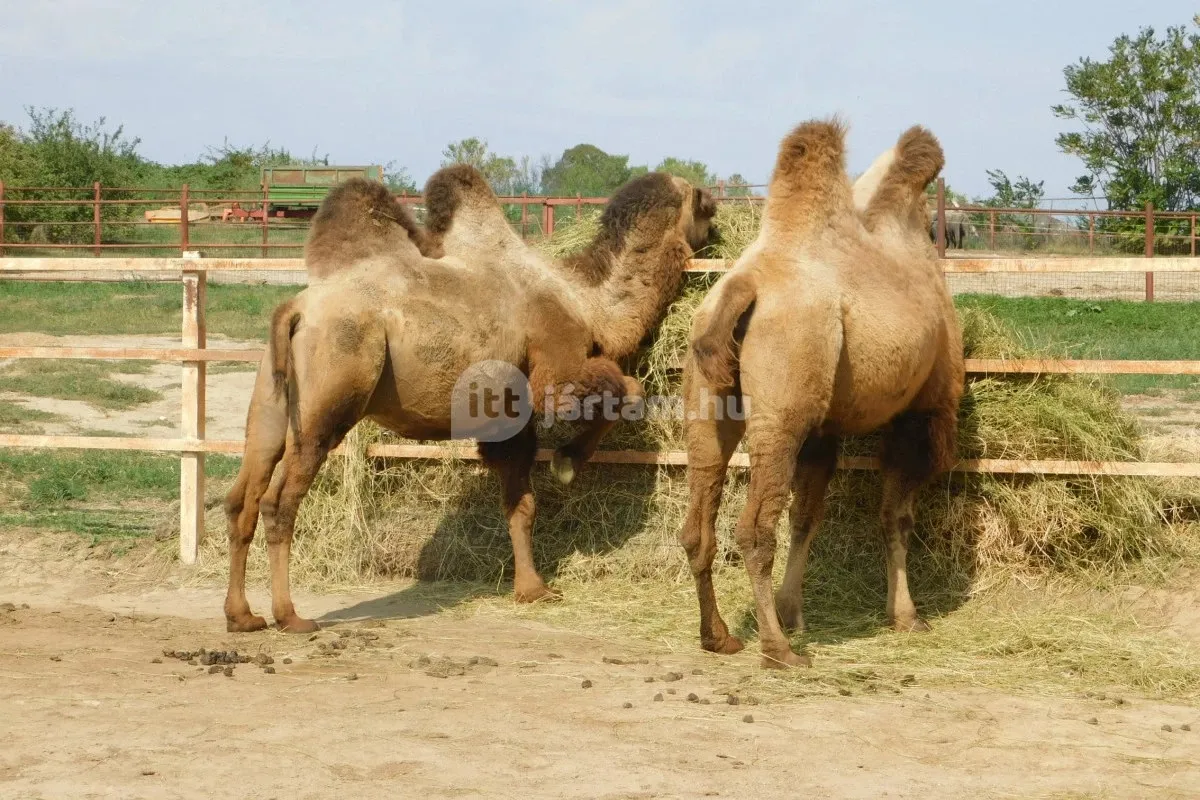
point(835, 321)
point(390, 335)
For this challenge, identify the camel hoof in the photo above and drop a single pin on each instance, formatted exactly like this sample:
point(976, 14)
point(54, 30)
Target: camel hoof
point(726, 647)
point(246, 624)
point(297, 625)
point(784, 660)
point(563, 467)
point(915, 625)
point(537, 594)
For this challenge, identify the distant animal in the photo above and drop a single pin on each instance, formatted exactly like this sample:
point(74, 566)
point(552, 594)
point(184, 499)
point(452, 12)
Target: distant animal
point(835, 321)
point(957, 226)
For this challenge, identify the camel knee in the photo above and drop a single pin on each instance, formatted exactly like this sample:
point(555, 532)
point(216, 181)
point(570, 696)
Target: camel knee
point(235, 501)
point(701, 550)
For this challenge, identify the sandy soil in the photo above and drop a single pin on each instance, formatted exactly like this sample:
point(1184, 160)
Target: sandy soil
point(90, 707)
point(226, 401)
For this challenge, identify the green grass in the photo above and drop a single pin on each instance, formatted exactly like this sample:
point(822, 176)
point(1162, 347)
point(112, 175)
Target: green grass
point(1103, 329)
point(97, 494)
point(240, 312)
point(87, 381)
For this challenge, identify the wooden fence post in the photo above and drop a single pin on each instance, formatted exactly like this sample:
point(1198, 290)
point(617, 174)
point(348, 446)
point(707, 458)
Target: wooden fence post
point(1, 218)
point(992, 232)
point(1091, 234)
point(1149, 250)
point(548, 222)
point(578, 205)
point(1192, 228)
point(191, 465)
point(941, 217)
point(96, 218)
point(524, 212)
point(183, 219)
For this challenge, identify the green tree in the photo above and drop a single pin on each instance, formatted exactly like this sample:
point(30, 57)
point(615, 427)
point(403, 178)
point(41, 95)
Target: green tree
point(587, 170)
point(1023, 193)
point(500, 171)
point(694, 172)
point(737, 186)
point(398, 179)
point(56, 149)
point(1139, 111)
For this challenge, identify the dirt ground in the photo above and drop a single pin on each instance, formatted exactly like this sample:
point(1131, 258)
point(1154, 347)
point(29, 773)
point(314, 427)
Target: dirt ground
point(227, 394)
point(395, 699)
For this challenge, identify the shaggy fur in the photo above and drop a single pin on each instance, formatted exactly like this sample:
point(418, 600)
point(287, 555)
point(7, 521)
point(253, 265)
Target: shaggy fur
point(388, 336)
point(835, 321)
point(359, 219)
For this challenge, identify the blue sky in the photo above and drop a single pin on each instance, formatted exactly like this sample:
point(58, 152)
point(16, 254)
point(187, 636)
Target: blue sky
point(721, 82)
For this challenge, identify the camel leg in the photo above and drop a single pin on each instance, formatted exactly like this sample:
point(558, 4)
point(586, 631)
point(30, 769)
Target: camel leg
point(814, 469)
point(912, 452)
point(513, 461)
point(772, 464)
point(266, 431)
point(605, 392)
point(710, 444)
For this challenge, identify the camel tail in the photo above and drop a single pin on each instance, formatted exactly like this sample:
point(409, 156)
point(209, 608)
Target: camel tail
point(918, 160)
point(713, 329)
point(283, 325)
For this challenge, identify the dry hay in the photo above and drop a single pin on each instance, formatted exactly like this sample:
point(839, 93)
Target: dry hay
point(609, 540)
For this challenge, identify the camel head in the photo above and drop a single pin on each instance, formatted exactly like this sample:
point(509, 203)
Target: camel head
point(649, 230)
point(652, 211)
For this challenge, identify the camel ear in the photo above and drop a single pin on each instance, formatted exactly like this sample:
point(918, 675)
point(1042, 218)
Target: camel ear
point(703, 205)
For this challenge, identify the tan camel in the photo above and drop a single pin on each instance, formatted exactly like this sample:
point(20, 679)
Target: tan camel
point(835, 321)
point(388, 335)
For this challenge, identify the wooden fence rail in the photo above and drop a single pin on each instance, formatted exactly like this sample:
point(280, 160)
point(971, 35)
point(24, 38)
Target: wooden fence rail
point(194, 355)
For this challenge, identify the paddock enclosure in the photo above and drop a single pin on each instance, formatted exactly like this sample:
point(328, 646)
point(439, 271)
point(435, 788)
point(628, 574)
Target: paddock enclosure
point(1086, 263)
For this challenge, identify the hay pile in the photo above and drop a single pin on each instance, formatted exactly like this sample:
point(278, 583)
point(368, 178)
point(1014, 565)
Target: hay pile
point(442, 520)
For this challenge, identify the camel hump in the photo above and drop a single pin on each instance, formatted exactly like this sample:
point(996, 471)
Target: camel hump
point(918, 160)
point(714, 325)
point(809, 183)
point(447, 190)
point(919, 155)
point(283, 325)
point(357, 219)
point(814, 146)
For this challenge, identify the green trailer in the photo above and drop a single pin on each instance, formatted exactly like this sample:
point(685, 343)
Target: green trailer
point(296, 191)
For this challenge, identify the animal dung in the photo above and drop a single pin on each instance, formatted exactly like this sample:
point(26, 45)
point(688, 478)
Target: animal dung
point(586, 684)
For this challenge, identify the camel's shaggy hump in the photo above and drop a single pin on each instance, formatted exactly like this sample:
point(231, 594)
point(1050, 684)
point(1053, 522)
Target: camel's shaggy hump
point(916, 160)
point(445, 192)
point(359, 219)
point(809, 183)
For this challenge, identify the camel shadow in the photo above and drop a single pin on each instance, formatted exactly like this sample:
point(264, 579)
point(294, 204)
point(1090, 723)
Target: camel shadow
point(845, 591)
point(469, 554)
